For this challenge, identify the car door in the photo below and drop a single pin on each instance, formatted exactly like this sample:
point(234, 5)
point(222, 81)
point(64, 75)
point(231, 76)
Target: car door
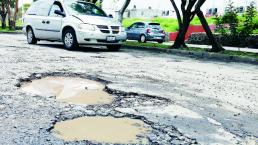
point(39, 23)
point(54, 22)
point(131, 31)
point(139, 30)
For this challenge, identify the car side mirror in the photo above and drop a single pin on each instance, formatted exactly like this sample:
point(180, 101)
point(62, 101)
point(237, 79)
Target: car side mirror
point(110, 16)
point(58, 12)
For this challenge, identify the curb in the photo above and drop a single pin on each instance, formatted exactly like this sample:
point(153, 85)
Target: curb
point(201, 55)
point(11, 33)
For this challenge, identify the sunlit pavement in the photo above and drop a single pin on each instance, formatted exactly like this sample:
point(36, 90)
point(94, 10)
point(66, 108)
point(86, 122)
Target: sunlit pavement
point(209, 101)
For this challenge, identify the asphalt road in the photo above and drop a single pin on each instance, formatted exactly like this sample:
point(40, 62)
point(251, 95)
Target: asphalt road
point(184, 100)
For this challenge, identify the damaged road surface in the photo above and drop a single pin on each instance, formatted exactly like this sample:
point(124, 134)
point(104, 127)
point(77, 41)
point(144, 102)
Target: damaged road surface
point(148, 97)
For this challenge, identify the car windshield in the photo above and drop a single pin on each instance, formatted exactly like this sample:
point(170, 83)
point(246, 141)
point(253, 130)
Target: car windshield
point(154, 25)
point(83, 8)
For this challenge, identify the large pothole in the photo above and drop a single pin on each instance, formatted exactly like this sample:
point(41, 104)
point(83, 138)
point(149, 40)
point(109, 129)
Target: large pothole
point(103, 129)
point(70, 90)
point(95, 118)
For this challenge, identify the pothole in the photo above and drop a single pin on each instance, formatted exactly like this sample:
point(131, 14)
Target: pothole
point(70, 90)
point(103, 129)
point(99, 121)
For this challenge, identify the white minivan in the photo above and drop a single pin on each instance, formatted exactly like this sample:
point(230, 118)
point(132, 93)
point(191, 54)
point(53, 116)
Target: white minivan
point(74, 23)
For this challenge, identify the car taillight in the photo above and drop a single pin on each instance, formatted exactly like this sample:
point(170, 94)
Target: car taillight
point(148, 31)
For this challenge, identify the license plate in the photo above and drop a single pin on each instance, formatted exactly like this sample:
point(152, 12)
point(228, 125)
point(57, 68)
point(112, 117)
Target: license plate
point(157, 37)
point(111, 38)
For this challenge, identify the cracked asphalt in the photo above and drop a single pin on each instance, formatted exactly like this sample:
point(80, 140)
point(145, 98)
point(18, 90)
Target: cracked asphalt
point(184, 100)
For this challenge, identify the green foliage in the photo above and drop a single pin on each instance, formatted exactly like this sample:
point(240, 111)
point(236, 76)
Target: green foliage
point(219, 25)
point(151, 45)
point(249, 24)
point(237, 27)
point(196, 21)
point(231, 18)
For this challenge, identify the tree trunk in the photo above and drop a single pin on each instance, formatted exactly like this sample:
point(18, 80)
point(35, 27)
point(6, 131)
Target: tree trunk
point(180, 24)
point(9, 12)
point(216, 47)
point(12, 22)
point(3, 15)
point(180, 39)
point(122, 10)
point(3, 20)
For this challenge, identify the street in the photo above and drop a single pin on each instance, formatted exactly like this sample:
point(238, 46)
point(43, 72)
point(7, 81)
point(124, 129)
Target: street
point(184, 100)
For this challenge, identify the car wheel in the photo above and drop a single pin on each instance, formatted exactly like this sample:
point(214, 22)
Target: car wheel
point(31, 39)
point(114, 47)
point(142, 39)
point(70, 40)
point(160, 41)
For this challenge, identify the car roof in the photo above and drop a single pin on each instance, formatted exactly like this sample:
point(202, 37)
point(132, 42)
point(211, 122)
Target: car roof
point(147, 23)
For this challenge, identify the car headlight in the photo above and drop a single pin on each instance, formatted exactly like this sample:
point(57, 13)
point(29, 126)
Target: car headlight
point(89, 27)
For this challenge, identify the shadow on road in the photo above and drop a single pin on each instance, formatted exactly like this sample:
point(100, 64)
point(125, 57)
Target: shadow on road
point(79, 49)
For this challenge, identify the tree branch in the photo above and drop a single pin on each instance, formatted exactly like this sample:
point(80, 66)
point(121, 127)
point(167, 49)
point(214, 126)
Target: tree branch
point(122, 10)
point(183, 4)
point(199, 5)
point(177, 12)
point(190, 5)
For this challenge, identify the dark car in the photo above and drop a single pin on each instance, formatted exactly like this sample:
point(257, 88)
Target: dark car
point(143, 31)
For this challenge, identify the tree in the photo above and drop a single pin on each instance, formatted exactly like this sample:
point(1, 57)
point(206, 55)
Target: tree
point(249, 24)
point(3, 12)
point(122, 10)
point(231, 18)
point(12, 15)
point(190, 8)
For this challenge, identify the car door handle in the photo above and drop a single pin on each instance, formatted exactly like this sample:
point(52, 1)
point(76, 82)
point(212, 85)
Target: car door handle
point(48, 22)
point(43, 22)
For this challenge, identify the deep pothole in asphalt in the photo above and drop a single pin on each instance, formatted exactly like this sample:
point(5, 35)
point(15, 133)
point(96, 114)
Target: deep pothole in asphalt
point(70, 90)
point(98, 120)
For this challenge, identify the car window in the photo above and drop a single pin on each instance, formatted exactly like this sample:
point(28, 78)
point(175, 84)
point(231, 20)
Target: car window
point(140, 25)
point(154, 25)
point(55, 6)
point(137, 25)
point(32, 9)
point(42, 7)
point(133, 26)
point(83, 8)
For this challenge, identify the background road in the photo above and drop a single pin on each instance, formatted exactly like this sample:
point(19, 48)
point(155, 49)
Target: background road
point(212, 102)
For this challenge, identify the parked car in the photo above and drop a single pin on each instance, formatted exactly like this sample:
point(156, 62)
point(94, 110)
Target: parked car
point(72, 22)
point(143, 32)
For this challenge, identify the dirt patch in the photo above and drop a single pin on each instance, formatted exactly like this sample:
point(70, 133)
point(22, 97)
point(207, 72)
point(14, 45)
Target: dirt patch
point(70, 90)
point(103, 129)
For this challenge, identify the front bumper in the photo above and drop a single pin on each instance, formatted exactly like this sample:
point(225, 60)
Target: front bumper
point(24, 30)
point(98, 38)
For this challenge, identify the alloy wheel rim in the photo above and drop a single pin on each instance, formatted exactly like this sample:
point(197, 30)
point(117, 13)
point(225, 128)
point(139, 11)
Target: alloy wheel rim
point(143, 38)
point(68, 39)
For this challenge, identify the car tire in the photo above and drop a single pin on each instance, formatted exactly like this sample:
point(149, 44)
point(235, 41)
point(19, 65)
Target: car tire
point(70, 40)
point(31, 39)
point(160, 41)
point(114, 47)
point(142, 39)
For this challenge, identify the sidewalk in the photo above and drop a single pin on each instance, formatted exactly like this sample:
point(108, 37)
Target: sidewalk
point(225, 47)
